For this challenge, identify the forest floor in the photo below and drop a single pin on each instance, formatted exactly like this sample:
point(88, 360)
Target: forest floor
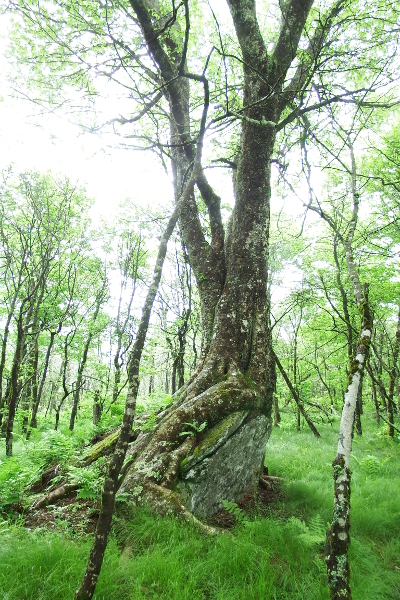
point(275, 549)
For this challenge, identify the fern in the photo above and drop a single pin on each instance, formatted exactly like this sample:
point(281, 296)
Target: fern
point(233, 509)
point(195, 428)
point(88, 478)
point(313, 534)
point(371, 464)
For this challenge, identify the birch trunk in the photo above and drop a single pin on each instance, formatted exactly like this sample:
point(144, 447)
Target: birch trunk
point(338, 537)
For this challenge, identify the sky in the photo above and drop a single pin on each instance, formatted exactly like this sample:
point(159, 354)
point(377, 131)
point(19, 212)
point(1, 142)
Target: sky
point(46, 142)
point(35, 140)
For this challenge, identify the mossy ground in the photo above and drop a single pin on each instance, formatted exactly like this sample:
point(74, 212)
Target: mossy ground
point(276, 554)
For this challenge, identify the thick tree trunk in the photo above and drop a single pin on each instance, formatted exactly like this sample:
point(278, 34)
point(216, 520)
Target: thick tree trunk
point(229, 398)
point(230, 395)
point(210, 444)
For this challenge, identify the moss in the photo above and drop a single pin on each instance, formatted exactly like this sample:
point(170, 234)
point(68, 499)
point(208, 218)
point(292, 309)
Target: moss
point(102, 448)
point(249, 381)
point(354, 364)
point(213, 436)
point(217, 432)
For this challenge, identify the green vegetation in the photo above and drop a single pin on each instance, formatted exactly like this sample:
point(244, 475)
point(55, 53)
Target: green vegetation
point(274, 552)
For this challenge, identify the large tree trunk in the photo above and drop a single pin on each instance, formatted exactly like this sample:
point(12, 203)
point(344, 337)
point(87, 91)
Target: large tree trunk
point(230, 394)
point(210, 443)
point(230, 397)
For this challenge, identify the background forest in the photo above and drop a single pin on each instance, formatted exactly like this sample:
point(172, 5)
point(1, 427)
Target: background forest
point(93, 335)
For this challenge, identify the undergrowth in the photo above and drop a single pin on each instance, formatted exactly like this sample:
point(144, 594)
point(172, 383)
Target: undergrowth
point(274, 555)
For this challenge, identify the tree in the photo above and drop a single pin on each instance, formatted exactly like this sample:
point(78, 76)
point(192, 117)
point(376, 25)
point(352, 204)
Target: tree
point(228, 399)
point(37, 227)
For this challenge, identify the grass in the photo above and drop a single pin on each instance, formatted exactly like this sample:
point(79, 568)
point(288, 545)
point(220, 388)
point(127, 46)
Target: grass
point(273, 556)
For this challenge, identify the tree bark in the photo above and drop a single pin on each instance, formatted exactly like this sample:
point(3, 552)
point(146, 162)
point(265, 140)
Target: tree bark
point(359, 407)
point(392, 379)
point(233, 384)
point(83, 360)
point(13, 393)
point(96, 408)
point(277, 416)
point(375, 399)
point(88, 584)
point(32, 388)
point(338, 537)
point(35, 408)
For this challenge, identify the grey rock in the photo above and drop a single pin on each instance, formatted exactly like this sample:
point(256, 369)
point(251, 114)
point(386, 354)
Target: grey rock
point(226, 464)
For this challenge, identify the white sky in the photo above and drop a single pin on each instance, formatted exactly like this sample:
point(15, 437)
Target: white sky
point(48, 142)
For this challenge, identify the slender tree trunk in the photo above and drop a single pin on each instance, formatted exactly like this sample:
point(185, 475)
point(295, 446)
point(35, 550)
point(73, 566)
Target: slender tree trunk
point(295, 396)
point(151, 378)
point(359, 408)
point(3, 399)
point(277, 416)
point(338, 537)
point(32, 390)
point(375, 399)
point(173, 375)
point(379, 372)
point(53, 387)
point(66, 391)
point(166, 384)
point(33, 423)
point(5, 410)
point(117, 381)
point(392, 379)
point(88, 585)
point(13, 393)
point(82, 363)
point(96, 408)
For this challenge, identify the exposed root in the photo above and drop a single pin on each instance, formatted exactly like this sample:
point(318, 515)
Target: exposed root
point(165, 501)
point(158, 455)
point(265, 484)
point(268, 482)
point(55, 495)
point(46, 477)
